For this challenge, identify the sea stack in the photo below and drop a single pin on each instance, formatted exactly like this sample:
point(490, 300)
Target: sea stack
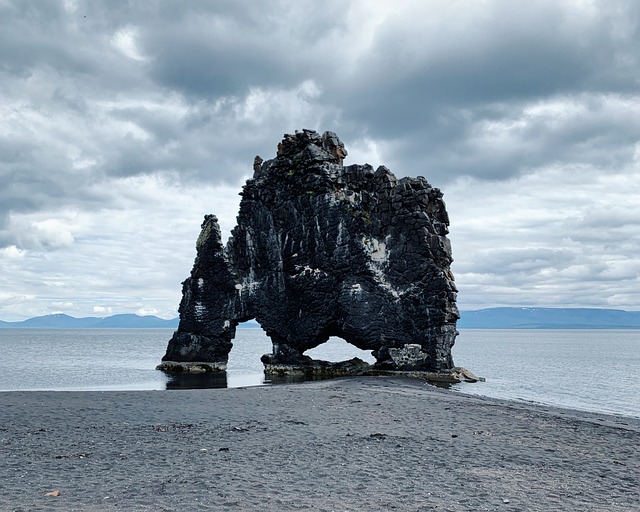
point(321, 249)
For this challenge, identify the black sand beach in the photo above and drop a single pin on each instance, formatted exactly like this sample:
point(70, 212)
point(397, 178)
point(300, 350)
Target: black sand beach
point(350, 444)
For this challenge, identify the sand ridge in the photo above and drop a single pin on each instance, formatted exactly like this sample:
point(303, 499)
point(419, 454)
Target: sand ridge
point(369, 443)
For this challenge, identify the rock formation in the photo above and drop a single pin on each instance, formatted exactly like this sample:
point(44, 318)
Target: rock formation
point(324, 250)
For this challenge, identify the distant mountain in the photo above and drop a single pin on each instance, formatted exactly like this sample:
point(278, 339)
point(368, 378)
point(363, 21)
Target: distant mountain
point(492, 318)
point(62, 321)
point(549, 318)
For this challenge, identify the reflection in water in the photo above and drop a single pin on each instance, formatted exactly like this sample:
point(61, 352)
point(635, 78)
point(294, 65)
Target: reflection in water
point(188, 380)
point(217, 380)
point(296, 379)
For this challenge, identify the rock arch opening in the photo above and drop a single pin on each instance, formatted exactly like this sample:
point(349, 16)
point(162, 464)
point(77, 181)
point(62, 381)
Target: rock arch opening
point(337, 350)
point(250, 343)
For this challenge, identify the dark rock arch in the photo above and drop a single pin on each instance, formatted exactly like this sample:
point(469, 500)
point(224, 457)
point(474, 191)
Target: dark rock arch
point(324, 250)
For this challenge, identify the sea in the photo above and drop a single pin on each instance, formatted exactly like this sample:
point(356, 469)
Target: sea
point(592, 370)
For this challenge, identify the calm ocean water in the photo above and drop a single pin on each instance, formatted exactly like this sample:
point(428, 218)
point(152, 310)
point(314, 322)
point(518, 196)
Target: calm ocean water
point(594, 370)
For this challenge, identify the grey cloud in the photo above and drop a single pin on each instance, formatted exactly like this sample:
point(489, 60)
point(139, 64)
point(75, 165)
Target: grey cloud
point(515, 260)
point(610, 233)
point(228, 49)
point(495, 90)
point(25, 43)
point(451, 144)
point(508, 52)
point(26, 176)
point(428, 89)
point(422, 90)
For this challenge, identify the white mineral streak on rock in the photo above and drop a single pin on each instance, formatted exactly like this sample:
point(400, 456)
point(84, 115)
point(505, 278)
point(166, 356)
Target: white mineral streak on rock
point(316, 272)
point(378, 260)
point(200, 310)
point(249, 242)
point(377, 250)
point(249, 283)
point(343, 236)
point(380, 278)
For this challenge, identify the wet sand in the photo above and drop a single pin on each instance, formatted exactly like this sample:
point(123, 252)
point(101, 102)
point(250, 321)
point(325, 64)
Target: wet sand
point(350, 444)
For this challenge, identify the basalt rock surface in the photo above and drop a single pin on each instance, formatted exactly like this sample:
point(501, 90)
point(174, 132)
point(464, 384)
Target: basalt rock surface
point(319, 250)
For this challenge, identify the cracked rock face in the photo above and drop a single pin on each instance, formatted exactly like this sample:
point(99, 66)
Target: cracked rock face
point(319, 250)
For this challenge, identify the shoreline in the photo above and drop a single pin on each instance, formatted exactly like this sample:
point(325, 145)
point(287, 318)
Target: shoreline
point(361, 443)
point(242, 381)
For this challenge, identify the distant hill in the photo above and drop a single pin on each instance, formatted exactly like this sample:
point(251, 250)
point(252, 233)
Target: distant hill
point(549, 318)
point(62, 321)
point(492, 318)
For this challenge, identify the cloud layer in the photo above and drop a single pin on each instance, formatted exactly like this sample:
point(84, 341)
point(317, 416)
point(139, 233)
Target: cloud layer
point(123, 123)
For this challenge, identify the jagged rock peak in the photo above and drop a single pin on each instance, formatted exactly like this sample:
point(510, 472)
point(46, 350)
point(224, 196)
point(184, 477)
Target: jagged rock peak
point(327, 147)
point(324, 250)
point(307, 147)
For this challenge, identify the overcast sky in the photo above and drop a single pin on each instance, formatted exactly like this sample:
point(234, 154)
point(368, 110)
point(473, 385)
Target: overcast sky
point(122, 123)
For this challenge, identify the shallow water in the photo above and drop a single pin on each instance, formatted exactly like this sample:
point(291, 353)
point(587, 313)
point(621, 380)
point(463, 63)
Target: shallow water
point(592, 370)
